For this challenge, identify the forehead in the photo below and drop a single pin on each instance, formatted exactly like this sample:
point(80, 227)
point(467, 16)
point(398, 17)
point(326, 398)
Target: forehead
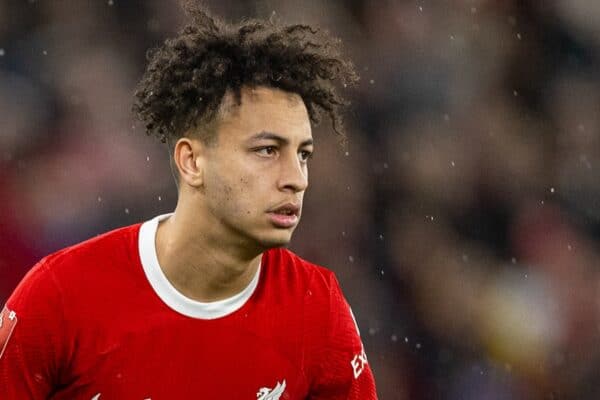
point(264, 109)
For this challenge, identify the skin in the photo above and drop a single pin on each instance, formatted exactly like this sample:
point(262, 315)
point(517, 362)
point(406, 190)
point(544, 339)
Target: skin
point(211, 247)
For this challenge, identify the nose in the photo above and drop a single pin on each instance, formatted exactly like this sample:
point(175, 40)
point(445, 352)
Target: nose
point(293, 174)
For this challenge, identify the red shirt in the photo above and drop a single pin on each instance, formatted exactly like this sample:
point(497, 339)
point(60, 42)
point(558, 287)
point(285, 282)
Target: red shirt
point(99, 320)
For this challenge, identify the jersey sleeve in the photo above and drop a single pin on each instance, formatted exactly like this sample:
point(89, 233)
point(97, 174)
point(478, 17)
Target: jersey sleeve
point(341, 368)
point(30, 332)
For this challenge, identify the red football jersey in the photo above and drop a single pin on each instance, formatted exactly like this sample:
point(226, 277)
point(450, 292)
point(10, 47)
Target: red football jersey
point(100, 320)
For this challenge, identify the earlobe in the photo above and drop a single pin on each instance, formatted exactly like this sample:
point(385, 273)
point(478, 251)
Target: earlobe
point(187, 155)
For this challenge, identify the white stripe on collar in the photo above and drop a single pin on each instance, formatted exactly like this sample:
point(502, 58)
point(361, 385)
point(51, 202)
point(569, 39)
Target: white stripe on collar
point(171, 296)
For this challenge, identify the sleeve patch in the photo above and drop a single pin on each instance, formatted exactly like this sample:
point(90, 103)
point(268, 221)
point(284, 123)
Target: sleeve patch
point(8, 321)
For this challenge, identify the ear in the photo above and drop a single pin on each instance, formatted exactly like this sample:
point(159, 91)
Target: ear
point(188, 155)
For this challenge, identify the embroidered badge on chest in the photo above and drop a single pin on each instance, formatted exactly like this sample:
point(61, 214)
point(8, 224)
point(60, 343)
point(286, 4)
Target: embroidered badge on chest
point(271, 394)
point(8, 321)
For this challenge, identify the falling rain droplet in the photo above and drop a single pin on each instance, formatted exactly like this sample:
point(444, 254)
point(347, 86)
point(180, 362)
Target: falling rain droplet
point(452, 163)
point(420, 8)
point(148, 158)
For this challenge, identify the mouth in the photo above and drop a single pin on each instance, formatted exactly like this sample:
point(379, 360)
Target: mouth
point(285, 216)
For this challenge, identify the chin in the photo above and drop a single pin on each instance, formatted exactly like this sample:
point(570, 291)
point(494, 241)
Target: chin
point(277, 240)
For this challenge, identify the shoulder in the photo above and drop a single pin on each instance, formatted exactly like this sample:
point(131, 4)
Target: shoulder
point(71, 266)
point(97, 254)
point(287, 265)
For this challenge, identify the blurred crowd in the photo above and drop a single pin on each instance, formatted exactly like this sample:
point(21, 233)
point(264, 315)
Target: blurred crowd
point(462, 220)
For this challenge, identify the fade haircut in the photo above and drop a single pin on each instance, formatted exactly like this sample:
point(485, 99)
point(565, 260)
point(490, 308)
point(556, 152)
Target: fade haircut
point(187, 77)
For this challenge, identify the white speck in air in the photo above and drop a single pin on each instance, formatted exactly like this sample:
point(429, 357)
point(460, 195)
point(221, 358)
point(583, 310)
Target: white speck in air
point(2, 52)
point(159, 198)
point(382, 272)
point(385, 165)
point(551, 190)
point(344, 233)
point(99, 199)
point(405, 339)
point(569, 247)
point(347, 153)
point(394, 338)
point(452, 163)
point(421, 8)
point(111, 2)
point(446, 117)
point(372, 81)
point(513, 260)
point(515, 93)
point(372, 331)
point(148, 158)
point(452, 37)
point(519, 36)
point(380, 236)
point(418, 345)
point(45, 52)
point(473, 10)
point(127, 211)
point(542, 202)
point(351, 259)
point(526, 276)
point(465, 257)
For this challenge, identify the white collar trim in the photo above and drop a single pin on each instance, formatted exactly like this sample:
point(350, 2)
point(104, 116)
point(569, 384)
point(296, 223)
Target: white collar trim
point(171, 296)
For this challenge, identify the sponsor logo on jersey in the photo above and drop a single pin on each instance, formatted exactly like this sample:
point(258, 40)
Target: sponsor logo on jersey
point(8, 321)
point(359, 363)
point(271, 394)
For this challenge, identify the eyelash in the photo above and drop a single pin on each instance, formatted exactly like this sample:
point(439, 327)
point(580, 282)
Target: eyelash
point(308, 154)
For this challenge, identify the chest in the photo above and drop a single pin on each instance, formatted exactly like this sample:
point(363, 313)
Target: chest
point(161, 356)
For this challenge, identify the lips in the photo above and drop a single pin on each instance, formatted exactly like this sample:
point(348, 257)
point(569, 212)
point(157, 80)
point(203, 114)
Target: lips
point(285, 216)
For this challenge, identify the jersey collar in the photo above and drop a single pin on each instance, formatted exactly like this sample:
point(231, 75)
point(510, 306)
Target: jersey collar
point(171, 296)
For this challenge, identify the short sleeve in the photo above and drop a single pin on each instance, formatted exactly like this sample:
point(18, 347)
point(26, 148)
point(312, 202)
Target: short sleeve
point(30, 337)
point(341, 368)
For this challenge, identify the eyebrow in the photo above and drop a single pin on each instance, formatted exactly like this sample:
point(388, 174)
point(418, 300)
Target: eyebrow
point(280, 139)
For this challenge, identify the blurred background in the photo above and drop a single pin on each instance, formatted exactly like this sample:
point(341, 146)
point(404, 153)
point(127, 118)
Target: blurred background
point(462, 221)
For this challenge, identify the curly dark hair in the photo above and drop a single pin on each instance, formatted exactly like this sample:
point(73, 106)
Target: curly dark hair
point(188, 75)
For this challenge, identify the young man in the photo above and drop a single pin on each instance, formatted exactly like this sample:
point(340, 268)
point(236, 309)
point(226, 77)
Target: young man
point(203, 303)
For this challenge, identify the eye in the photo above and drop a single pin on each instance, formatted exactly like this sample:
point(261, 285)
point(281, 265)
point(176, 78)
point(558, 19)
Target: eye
point(266, 151)
point(305, 155)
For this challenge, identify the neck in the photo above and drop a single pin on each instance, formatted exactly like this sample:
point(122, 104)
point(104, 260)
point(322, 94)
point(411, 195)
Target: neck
point(202, 262)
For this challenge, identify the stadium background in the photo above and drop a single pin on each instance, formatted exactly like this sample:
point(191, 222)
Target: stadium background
point(463, 221)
